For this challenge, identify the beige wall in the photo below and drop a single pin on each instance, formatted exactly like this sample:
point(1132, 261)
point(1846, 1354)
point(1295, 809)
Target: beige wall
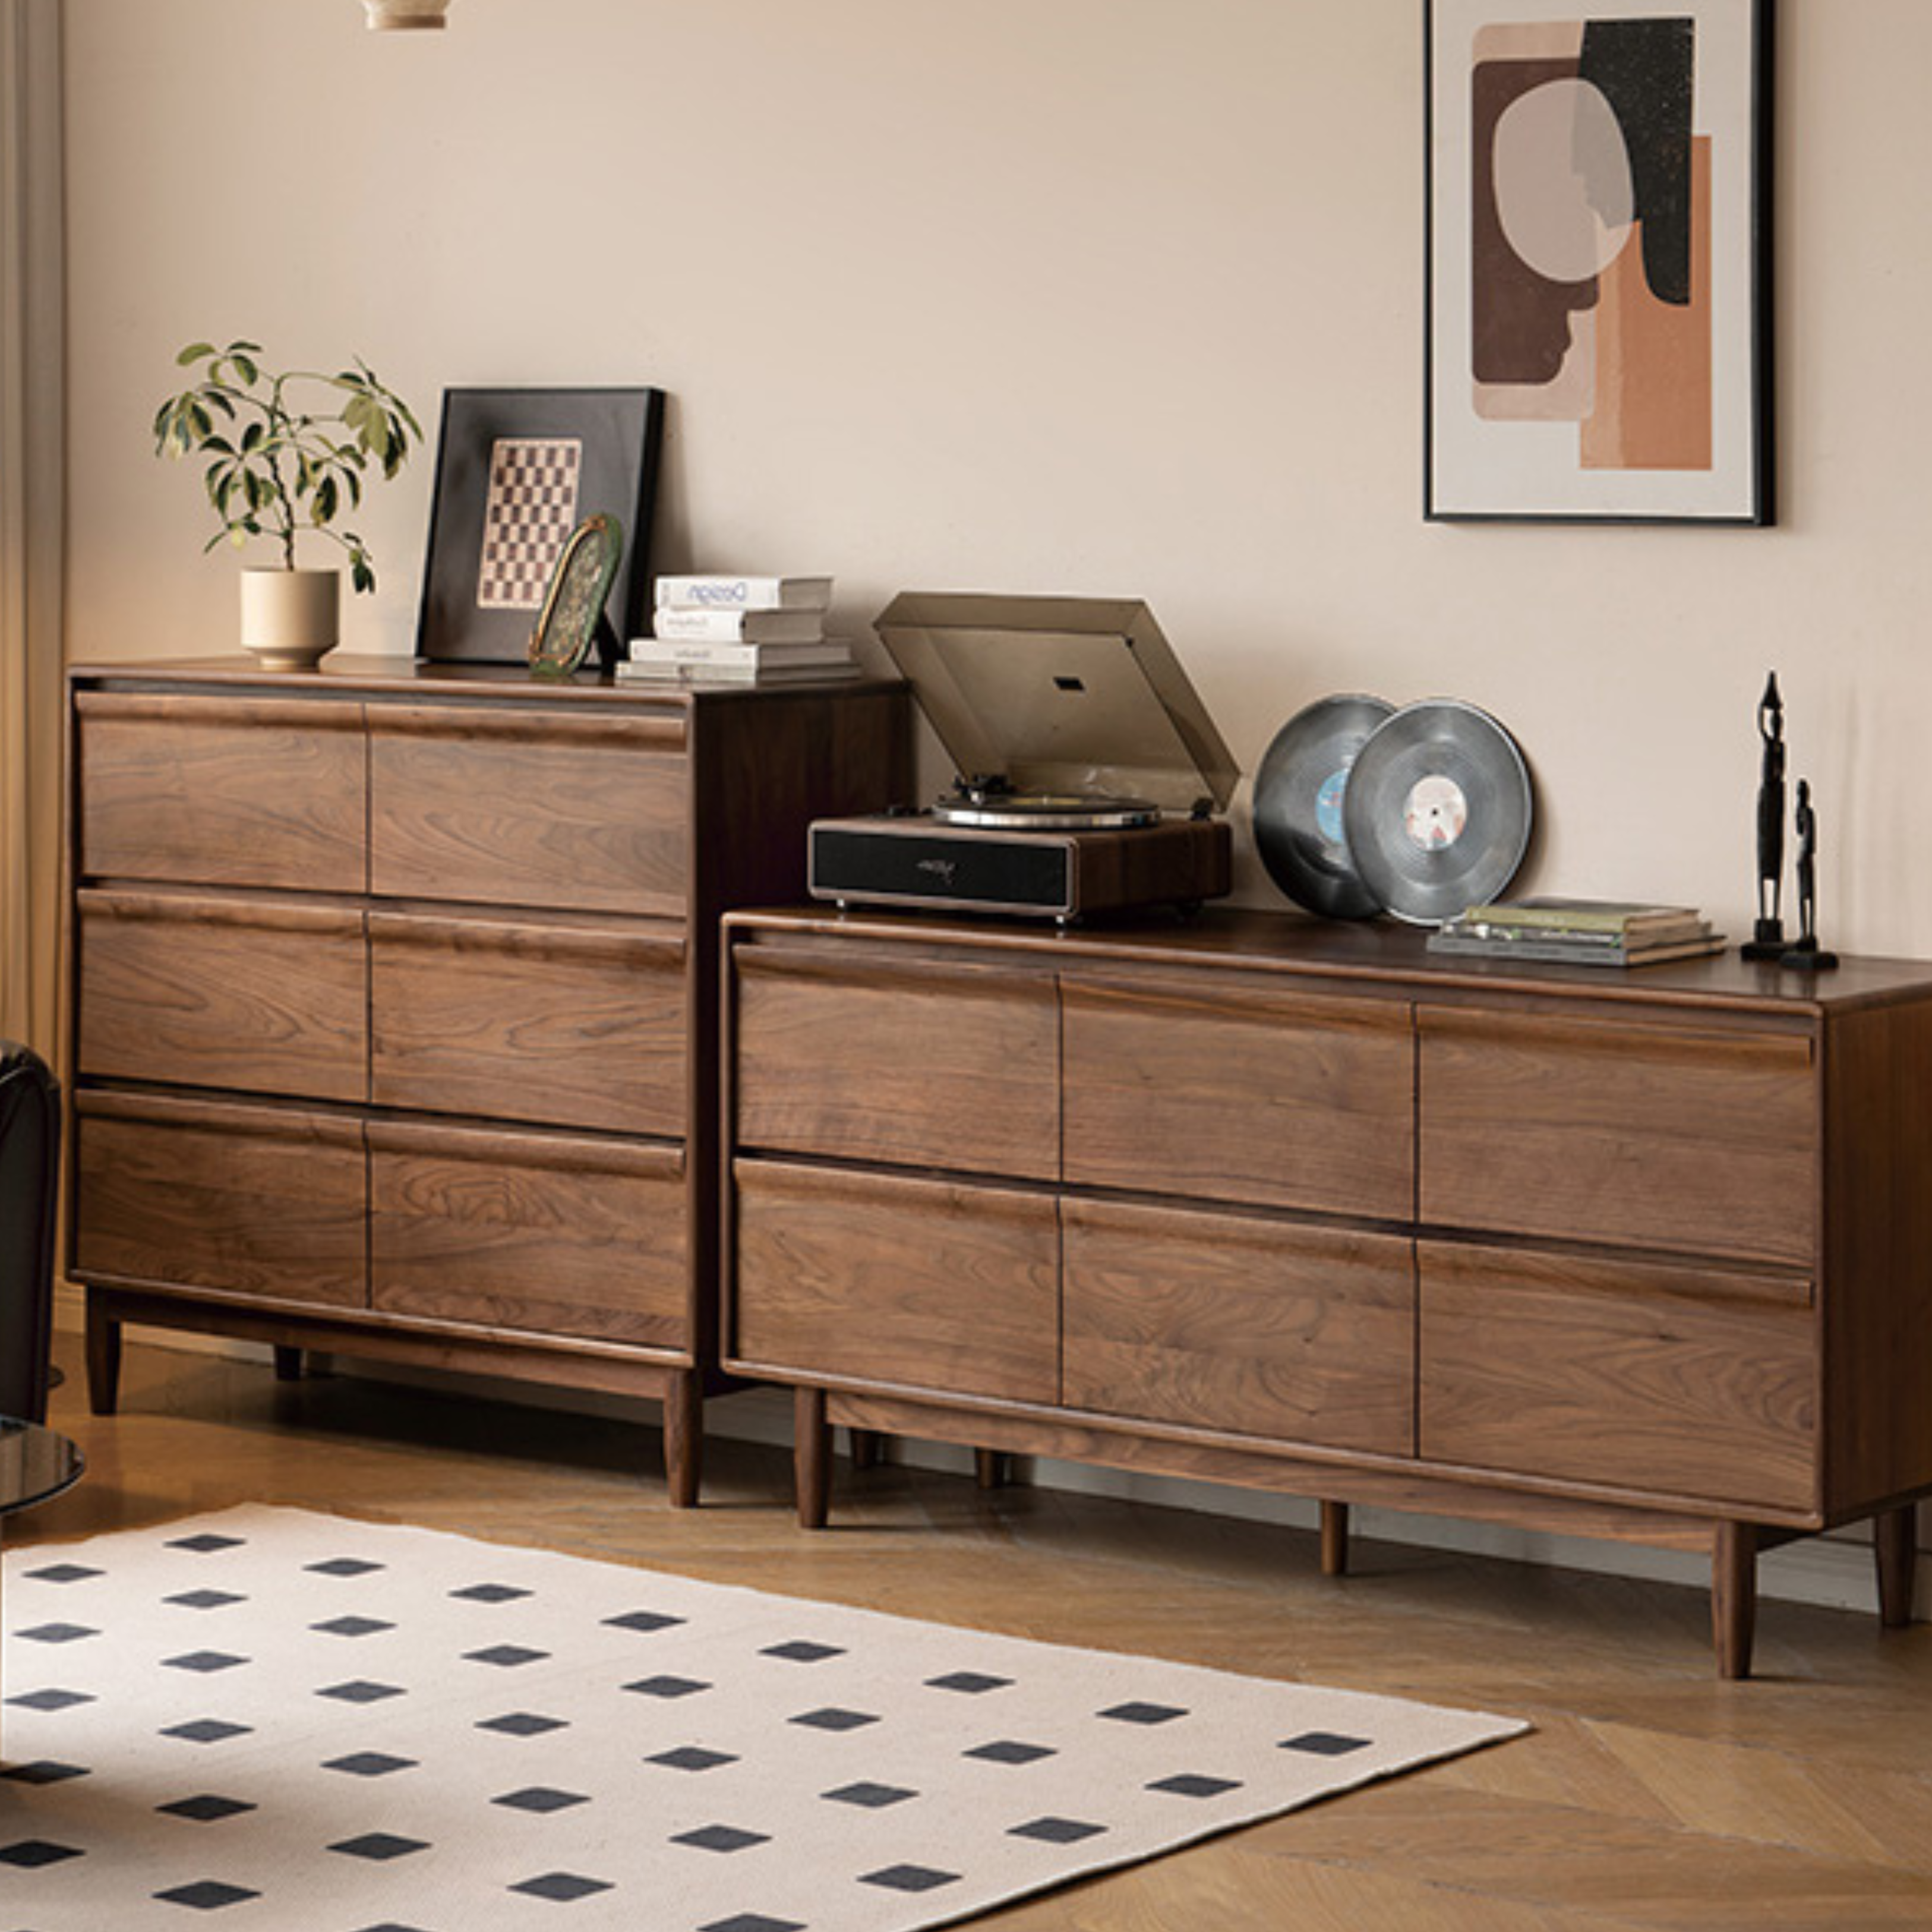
point(1116, 297)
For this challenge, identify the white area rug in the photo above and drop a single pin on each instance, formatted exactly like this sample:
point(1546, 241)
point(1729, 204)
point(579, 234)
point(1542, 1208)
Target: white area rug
point(267, 1718)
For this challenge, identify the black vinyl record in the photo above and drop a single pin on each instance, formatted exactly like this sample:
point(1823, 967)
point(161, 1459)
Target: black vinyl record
point(1299, 791)
point(1438, 810)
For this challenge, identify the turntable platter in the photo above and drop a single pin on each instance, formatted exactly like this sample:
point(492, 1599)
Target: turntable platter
point(1042, 812)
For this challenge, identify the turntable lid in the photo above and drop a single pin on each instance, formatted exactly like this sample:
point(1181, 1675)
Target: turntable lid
point(1059, 695)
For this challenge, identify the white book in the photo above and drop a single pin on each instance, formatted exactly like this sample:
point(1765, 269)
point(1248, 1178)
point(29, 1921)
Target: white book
point(673, 652)
point(678, 623)
point(703, 592)
point(672, 677)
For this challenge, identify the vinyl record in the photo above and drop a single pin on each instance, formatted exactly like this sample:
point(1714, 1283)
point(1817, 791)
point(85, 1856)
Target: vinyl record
point(1297, 806)
point(1437, 812)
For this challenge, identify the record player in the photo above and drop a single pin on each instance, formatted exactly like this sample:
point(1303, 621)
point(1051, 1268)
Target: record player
point(1089, 774)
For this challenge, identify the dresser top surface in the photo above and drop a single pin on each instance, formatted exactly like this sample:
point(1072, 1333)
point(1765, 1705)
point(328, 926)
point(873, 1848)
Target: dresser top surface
point(392, 676)
point(1377, 951)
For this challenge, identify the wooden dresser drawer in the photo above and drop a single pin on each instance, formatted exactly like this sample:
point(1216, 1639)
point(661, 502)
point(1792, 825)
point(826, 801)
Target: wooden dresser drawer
point(914, 1061)
point(247, 1199)
point(1679, 1381)
point(1597, 1130)
point(1231, 1322)
point(1242, 1095)
point(888, 1279)
point(221, 791)
point(572, 1020)
point(529, 808)
point(556, 1233)
point(262, 996)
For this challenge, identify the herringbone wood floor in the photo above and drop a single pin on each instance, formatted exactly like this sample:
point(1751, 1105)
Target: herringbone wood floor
point(1651, 1794)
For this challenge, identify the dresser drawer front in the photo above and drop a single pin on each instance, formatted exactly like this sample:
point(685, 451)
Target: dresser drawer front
point(912, 1062)
point(886, 1280)
point(264, 1201)
point(1637, 1136)
point(221, 792)
point(545, 1232)
point(528, 809)
point(1242, 1095)
point(570, 1024)
point(258, 996)
point(1680, 1381)
point(1232, 1323)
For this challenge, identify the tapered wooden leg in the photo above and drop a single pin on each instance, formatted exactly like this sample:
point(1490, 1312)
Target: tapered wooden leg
point(104, 1361)
point(811, 1457)
point(1895, 1545)
point(989, 1468)
point(1334, 1539)
point(288, 1364)
point(1734, 1597)
point(684, 1438)
point(867, 1446)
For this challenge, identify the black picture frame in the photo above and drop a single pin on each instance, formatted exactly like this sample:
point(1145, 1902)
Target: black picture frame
point(1491, 452)
point(517, 471)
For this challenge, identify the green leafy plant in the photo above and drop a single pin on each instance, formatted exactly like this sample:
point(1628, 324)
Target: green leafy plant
point(275, 466)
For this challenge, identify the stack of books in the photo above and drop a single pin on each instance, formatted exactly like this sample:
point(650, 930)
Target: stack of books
point(738, 630)
point(1578, 932)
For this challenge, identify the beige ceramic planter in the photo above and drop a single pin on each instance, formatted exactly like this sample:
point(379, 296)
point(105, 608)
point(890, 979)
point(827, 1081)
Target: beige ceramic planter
point(290, 618)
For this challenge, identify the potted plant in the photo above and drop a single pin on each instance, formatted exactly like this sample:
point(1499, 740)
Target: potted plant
point(276, 467)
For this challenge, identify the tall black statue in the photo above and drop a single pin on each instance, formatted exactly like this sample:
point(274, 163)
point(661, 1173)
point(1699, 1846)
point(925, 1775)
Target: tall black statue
point(1767, 941)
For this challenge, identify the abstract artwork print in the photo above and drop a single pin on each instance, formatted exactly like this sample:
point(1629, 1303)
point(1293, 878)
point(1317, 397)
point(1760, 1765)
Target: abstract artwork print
point(1597, 262)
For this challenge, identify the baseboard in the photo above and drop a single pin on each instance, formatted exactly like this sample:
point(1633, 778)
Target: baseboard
point(1833, 1572)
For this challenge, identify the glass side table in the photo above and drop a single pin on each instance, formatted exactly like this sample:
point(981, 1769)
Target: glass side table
point(36, 1464)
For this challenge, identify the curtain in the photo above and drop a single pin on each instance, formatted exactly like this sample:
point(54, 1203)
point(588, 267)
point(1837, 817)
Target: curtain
point(32, 483)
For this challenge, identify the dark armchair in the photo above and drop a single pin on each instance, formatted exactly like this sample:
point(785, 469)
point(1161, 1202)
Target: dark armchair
point(29, 1182)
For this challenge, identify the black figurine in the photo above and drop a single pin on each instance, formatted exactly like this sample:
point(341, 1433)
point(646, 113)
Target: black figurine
point(1767, 941)
point(1804, 955)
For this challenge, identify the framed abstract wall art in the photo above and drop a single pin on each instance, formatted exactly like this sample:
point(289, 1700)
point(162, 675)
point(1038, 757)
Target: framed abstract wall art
point(1599, 244)
point(517, 471)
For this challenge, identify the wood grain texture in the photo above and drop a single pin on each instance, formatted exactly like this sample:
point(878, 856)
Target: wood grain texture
point(1231, 1322)
point(586, 813)
point(911, 1282)
point(233, 791)
point(953, 1066)
point(262, 996)
point(249, 1198)
point(575, 1024)
point(1618, 1372)
point(1586, 1128)
point(1240, 1093)
point(550, 1232)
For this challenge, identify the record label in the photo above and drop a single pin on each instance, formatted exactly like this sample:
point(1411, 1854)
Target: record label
point(1435, 814)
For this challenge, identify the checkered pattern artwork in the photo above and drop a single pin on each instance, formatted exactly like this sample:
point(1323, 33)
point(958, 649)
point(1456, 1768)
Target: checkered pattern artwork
point(267, 1718)
point(529, 512)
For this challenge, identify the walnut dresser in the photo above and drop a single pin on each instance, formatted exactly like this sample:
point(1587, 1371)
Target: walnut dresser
point(394, 1004)
point(1644, 1255)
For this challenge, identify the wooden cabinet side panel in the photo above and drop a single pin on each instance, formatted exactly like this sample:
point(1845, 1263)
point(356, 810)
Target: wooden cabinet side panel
point(1597, 1130)
point(1877, 1301)
point(193, 989)
point(246, 1200)
point(1250, 1097)
point(1676, 1380)
point(880, 1058)
point(554, 1024)
point(886, 1280)
point(226, 791)
point(528, 1232)
point(1228, 1322)
point(529, 810)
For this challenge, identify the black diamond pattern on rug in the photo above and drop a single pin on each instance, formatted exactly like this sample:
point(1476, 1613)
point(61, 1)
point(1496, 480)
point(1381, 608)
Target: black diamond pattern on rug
point(206, 1808)
point(207, 1894)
